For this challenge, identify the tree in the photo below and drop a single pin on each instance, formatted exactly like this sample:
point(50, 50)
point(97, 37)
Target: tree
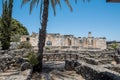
point(44, 7)
point(0, 33)
point(17, 30)
point(5, 29)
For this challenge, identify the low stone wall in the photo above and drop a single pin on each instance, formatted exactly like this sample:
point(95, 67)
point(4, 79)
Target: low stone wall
point(24, 74)
point(94, 61)
point(71, 64)
point(11, 59)
point(92, 72)
point(117, 58)
point(88, 60)
point(59, 56)
point(112, 67)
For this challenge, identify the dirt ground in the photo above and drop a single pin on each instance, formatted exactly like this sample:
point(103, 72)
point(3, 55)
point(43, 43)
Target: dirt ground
point(56, 71)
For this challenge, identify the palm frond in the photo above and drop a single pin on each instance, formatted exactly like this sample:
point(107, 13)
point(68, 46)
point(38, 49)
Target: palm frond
point(24, 2)
point(38, 2)
point(86, 0)
point(89, 0)
point(76, 1)
point(53, 6)
point(68, 3)
point(53, 3)
point(58, 2)
point(32, 4)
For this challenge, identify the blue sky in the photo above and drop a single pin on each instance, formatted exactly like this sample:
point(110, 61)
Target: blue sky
point(98, 17)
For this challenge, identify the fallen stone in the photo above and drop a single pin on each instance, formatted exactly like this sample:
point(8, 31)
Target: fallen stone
point(71, 64)
point(93, 72)
point(25, 66)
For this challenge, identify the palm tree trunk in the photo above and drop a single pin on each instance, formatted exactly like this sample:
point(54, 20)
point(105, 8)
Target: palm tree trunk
point(42, 36)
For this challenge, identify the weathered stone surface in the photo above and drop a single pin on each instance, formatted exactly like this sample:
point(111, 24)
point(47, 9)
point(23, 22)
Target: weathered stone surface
point(24, 75)
point(16, 75)
point(25, 66)
point(117, 59)
point(5, 62)
point(19, 60)
point(92, 72)
point(71, 64)
point(112, 67)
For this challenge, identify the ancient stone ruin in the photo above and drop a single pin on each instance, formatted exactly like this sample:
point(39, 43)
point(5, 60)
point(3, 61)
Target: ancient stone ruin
point(90, 65)
point(58, 40)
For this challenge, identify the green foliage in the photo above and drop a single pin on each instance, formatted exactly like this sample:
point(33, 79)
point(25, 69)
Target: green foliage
point(5, 29)
point(47, 48)
point(15, 38)
point(33, 58)
point(114, 45)
point(54, 3)
point(24, 44)
point(17, 30)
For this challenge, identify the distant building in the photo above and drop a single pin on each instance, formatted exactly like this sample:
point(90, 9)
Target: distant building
point(68, 40)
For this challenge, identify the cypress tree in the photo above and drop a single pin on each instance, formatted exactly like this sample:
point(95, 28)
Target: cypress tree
point(6, 23)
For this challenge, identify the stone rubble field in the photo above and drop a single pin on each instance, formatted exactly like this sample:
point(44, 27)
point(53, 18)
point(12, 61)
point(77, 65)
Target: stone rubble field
point(69, 65)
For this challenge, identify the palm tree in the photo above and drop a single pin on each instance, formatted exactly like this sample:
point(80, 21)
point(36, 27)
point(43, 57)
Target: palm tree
point(44, 7)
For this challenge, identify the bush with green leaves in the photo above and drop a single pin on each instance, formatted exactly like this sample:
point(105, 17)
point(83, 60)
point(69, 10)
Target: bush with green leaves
point(24, 44)
point(32, 57)
point(114, 45)
point(47, 48)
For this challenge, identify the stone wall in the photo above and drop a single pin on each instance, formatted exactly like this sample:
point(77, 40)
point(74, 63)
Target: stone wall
point(101, 43)
point(92, 72)
point(68, 40)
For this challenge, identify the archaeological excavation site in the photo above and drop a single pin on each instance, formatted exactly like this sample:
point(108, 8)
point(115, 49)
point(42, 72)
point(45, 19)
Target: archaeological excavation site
point(61, 65)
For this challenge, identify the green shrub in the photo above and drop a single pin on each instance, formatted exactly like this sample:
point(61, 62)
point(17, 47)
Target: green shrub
point(114, 45)
point(24, 44)
point(33, 58)
point(47, 48)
